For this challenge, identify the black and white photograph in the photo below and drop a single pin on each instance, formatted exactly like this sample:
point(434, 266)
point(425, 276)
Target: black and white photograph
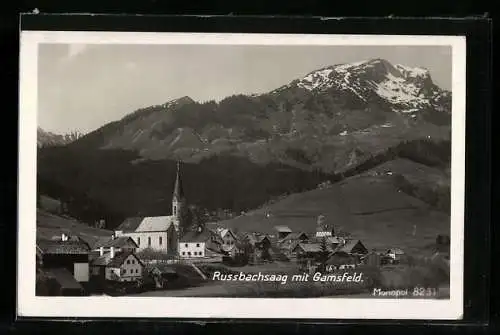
point(290, 176)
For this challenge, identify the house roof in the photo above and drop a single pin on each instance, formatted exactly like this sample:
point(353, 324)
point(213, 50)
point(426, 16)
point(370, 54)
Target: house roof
point(95, 241)
point(293, 236)
point(349, 245)
point(120, 242)
point(65, 278)
point(194, 236)
point(63, 247)
point(223, 231)
point(312, 247)
point(340, 259)
point(283, 229)
point(116, 261)
point(146, 224)
point(329, 239)
point(397, 251)
point(129, 224)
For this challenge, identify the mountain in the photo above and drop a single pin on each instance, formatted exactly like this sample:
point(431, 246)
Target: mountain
point(45, 138)
point(333, 124)
point(328, 119)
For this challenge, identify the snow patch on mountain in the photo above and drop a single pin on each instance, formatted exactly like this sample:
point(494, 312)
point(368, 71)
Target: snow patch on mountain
point(405, 89)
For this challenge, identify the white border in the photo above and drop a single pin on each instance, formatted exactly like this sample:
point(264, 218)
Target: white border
point(313, 308)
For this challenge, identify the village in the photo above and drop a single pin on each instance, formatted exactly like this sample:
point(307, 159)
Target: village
point(155, 253)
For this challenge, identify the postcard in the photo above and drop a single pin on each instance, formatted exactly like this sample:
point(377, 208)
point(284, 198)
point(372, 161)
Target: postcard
point(216, 175)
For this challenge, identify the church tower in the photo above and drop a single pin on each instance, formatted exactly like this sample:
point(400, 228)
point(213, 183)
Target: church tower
point(178, 200)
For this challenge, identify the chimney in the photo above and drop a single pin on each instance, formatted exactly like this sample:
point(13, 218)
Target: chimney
point(112, 252)
point(101, 251)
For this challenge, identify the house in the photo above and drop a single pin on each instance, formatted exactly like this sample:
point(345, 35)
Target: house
point(341, 261)
point(122, 243)
point(124, 266)
point(258, 241)
point(282, 231)
point(162, 274)
point(228, 240)
point(291, 240)
point(353, 247)
point(194, 244)
point(332, 241)
point(310, 250)
point(293, 237)
point(277, 254)
point(60, 282)
point(159, 233)
point(71, 254)
point(394, 254)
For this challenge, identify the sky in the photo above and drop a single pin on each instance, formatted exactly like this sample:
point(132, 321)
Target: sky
point(82, 87)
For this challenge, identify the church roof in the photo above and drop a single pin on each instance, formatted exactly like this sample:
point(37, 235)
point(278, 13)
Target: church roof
point(155, 223)
point(178, 189)
point(146, 224)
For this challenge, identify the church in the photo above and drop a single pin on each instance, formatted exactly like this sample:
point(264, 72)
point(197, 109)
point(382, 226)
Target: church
point(159, 233)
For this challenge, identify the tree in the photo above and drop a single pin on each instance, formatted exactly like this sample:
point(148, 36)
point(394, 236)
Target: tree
point(324, 253)
point(192, 218)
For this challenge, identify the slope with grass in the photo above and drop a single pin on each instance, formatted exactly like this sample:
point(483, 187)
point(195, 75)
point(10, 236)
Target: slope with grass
point(49, 225)
point(369, 207)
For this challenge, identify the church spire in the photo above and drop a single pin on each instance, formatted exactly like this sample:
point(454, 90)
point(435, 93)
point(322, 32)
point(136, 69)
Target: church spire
point(178, 190)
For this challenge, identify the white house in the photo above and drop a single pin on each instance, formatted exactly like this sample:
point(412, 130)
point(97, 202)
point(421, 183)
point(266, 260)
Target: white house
point(122, 266)
point(156, 232)
point(228, 239)
point(196, 244)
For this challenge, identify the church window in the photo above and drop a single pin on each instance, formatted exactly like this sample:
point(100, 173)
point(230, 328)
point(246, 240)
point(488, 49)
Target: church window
point(189, 253)
point(175, 210)
point(183, 253)
point(138, 241)
point(149, 241)
point(160, 240)
point(128, 261)
point(197, 244)
point(186, 245)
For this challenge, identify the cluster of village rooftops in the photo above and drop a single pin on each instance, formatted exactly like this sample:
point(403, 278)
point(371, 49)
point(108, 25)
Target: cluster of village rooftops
point(140, 244)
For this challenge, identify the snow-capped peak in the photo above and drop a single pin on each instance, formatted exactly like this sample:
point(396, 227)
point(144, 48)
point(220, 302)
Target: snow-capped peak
point(403, 88)
point(412, 72)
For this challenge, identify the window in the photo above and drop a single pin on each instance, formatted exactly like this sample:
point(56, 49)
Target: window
point(186, 245)
point(189, 253)
point(128, 261)
point(133, 261)
point(183, 253)
point(136, 270)
point(197, 244)
point(175, 210)
point(149, 241)
point(195, 253)
point(160, 240)
point(138, 241)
